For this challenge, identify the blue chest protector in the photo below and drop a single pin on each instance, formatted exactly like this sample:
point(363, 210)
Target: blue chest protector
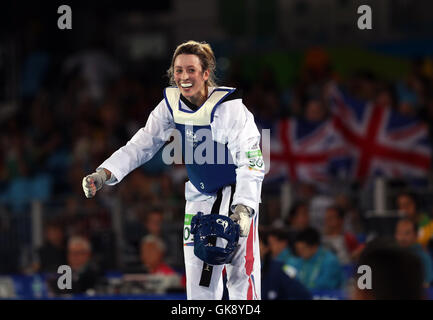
point(209, 164)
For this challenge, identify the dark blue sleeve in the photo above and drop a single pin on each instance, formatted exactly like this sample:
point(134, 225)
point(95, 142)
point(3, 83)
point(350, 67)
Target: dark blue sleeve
point(292, 289)
point(288, 288)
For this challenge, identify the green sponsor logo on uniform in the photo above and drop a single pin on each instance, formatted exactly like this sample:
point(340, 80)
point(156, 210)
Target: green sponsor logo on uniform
point(254, 154)
point(188, 218)
point(187, 227)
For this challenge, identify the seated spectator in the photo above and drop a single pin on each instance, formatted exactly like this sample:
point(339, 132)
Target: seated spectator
point(156, 225)
point(343, 244)
point(405, 234)
point(299, 217)
point(152, 251)
point(316, 267)
point(353, 221)
point(277, 282)
point(278, 243)
point(85, 275)
point(408, 206)
point(153, 224)
point(396, 273)
point(52, 253)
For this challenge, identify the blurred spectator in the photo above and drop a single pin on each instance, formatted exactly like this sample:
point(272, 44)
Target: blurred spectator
point(397, 273)
point(156, 223)
point(152, 257)
point(305, 192)
point(152, 251)
point(144, 221)
point(406, 236)
point(299, 216)
point(316, 267)
point(277, 282)
point(363, 85)
point(407, 100)
point(315, 110)
point(52, 254)
point(407, 205)
point(153, 222)
point(343, 244)
point(386, 96)
point(85, 275)
point(352, 218)
point(277, 243)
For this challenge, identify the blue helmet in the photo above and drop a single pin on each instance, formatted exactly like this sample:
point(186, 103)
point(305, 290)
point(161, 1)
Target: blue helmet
point(208, 227)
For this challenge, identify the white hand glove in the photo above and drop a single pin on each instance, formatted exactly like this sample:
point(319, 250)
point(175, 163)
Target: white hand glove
point(94, 182)
point(242, 216)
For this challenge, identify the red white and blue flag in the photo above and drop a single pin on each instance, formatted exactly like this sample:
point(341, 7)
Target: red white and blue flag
point(380, 140)
point(359, 141)
point(303, 151)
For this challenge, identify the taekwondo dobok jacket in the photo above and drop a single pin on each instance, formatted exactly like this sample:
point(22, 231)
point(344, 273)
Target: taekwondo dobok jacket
point(219, 143)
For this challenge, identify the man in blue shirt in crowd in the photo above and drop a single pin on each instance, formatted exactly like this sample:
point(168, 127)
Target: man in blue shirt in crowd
point(278, 283)
point(278, 243)
point(316, 267)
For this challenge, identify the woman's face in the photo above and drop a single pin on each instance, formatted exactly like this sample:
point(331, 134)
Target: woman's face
point(189, 76)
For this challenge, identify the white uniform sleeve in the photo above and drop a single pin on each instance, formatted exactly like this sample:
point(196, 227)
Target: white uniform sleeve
point(142, 146)
point(234, 124)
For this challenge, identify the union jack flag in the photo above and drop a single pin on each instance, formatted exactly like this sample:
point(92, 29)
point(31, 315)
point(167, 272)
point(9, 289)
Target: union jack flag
point(380, 140)
point(302, 151)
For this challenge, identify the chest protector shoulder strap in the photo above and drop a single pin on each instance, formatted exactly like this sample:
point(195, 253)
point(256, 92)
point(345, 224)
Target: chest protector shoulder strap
point(201, 117)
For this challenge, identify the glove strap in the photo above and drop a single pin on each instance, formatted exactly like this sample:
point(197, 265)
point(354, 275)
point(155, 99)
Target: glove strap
point(101, 172)
point(247, 209)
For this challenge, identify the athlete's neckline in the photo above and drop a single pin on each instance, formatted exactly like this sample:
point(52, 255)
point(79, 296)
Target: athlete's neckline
point(191, 105)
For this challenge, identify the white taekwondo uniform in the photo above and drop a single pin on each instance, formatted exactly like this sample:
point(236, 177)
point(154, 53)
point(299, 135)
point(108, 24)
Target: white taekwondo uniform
point(212, 187)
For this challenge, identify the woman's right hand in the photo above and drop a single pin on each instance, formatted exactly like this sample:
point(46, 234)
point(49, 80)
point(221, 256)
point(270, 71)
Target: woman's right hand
point(94, 182)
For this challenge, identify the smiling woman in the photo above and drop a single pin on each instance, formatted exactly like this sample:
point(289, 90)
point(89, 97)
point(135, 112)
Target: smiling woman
point(203, 114)
point(192, 70)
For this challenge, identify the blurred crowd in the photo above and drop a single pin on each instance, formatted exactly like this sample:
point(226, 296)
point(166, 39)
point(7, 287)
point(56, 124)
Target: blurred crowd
point(327, 257)
point(75, 112)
